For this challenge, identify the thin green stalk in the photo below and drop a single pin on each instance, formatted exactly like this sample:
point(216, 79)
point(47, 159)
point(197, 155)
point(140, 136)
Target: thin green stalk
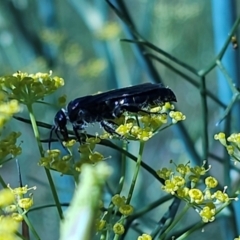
point(165, 54)
point(2, 182)
point(134, 180)
point(187, 78)
point(123, 168)
point(49, 177)
point(227, 76)
point(29, 224)
point(205, 119)
point(204, 72)
point(172, 225)
point(137, 168)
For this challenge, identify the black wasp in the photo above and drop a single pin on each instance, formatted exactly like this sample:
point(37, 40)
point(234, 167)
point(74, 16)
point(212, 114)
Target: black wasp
point(107, 106)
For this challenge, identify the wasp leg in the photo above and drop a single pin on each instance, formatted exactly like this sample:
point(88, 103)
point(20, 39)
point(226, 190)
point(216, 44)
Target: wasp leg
point(129, 108)
point(109, 127)
point(75, 130)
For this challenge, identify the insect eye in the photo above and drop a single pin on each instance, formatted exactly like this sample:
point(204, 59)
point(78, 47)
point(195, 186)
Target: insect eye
point(60, 119)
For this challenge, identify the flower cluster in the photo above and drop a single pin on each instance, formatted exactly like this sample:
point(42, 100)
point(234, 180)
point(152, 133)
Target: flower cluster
point(54, 160)
point(7, 109)
point(13, 207)
point(231, 143)
point(119, 205)
point(29, 88)
point(183, 184)
point(144, 125)
point(63, 164)
point(88, 154)
point(125, 209)
point(8, 146)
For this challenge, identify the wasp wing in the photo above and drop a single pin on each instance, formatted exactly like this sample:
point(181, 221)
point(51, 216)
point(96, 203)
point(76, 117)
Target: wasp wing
point(116, 94)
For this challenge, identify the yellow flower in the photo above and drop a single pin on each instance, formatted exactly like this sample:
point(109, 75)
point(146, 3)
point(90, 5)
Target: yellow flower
point(144, 237)
point(178, 181)
point(208, 214)
point(183, 169)
point(199, 170)
point(170, 187)
point(100, 225)
point(69, 143)
point(177, 116)
point(211, 182)
point(221, 196)
point(54, 153)
point(126, 209)
point(8, 145)
point(10, 208)
point(221, 137)
point(8, 227)
point(164, 173)
point(8, 236)
point(182, 192)
point(124, 129)
point(118, 201)
point(96, 157)
point(118, 228)
point(196, 195)
point(25, 203)
point(144, 134)
point(6, 197)
point(61, 166)
point(235, 138)
point(17, 217)
point(230, 150)
point(20, 191)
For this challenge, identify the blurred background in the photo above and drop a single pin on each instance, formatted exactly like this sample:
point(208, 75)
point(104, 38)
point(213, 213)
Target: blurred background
point(79, 40)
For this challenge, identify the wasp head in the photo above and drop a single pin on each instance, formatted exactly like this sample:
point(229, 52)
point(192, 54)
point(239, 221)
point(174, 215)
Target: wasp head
point(60, 122)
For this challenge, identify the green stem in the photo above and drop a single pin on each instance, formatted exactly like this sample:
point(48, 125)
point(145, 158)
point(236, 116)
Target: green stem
point(138, 166)
point(172, 225)
point(4, 185)
point(123, 168)
point(29, 224)
point(49, 177)
point(134, 180)
point(205, 143)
